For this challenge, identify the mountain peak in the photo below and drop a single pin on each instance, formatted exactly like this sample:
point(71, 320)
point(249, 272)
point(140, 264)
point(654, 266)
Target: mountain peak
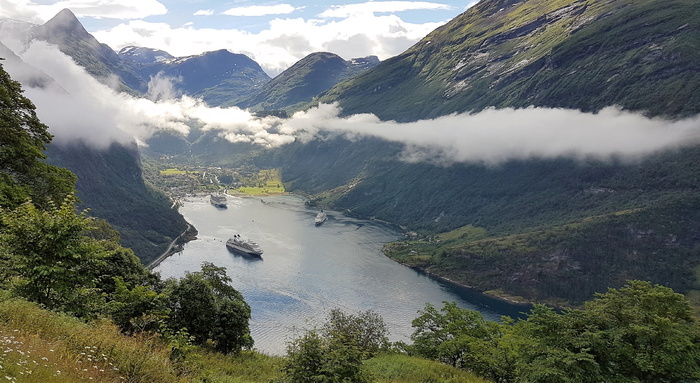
point(65, 23)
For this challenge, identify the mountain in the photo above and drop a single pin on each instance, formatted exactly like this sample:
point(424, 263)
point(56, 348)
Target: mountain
point(109, 181)
point(220, 78)
point(510, 53)
point(142, 55)
point(550, 230)
point(111, 185)
point(300, 83)
point(289, 91)
point(65, 31)
point(27, 74)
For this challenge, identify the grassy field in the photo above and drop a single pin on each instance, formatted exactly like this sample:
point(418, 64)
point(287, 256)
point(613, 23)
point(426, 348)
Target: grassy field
point(175, 171)
point(266, 182)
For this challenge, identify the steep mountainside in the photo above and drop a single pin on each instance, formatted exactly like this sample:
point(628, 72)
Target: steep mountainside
point(110, 184)
point(65, 31)
point(549, 230)
point(583, 54)
point(26, 74)
point(220, 77)
point(301, 82)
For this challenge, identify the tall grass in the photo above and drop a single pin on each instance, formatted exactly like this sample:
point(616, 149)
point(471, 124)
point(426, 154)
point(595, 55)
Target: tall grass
point(43, 346)
point(395, 368)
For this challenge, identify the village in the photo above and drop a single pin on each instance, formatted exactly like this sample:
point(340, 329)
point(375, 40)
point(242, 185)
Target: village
point(181, 181)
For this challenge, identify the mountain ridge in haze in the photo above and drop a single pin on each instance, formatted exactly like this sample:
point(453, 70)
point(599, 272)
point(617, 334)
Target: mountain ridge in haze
point(66, 31)
point(299, 84)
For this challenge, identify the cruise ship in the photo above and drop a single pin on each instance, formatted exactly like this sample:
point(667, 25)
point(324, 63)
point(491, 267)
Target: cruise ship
point(320, 218)
point(244, 246)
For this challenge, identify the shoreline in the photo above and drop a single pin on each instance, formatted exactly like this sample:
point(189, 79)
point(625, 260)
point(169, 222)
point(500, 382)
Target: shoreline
point(504, 298)
point(172, 248)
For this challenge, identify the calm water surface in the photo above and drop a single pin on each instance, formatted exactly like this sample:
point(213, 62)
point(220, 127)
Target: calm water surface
point(307, 270)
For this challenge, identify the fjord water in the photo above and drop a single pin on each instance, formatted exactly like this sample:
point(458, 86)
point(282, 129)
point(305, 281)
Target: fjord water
point(307, 270)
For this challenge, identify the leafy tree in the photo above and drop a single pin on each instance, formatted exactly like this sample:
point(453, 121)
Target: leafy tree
point(646, 333)
point(136, 309)
point(639, 333)
point(307, 358)
point(366, 330)
point(22, 141)
point(53, 262)
point(334, 353)
point(209, 308)
point(463, 338)
point(557, 348)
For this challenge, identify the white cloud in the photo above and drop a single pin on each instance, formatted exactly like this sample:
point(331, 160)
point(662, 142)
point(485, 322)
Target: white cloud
point(109, 9)
point(283, 43)
point(261, 10)
point(349, 10)
point(80, 108)
point(204, 12)
point(496, 136)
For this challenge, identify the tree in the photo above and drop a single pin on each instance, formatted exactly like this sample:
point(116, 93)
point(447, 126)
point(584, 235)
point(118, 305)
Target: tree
point(366, 330)
point(209, 308)
point(23, 138)
point(645, 332)
point(335, 352)
point(464, 339)
point(54, 263)
point(639, 333)
point(558, 349)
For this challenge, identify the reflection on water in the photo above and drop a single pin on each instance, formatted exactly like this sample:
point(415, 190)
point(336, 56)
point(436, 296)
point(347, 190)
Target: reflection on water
point(307, 270)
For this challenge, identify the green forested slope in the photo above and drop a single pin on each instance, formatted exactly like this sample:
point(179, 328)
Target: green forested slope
point(582, 54)
point(110, 184)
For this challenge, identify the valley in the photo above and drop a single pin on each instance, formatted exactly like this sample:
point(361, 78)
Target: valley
point(549, 214)
point(542, 152)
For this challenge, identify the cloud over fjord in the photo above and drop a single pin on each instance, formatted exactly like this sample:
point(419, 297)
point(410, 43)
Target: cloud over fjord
point(78, 107)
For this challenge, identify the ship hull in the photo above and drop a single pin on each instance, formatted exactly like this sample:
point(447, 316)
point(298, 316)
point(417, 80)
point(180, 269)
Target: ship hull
point(242, 251)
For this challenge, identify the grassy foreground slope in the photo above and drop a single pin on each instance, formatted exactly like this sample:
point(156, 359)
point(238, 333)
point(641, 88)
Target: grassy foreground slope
point(42, 346)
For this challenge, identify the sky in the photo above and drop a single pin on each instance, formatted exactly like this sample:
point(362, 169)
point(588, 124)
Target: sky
point(276, 34)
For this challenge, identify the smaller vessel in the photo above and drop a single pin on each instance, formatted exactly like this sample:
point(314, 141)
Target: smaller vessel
point(320, 218)
point(244, 246)
point(218, 200)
